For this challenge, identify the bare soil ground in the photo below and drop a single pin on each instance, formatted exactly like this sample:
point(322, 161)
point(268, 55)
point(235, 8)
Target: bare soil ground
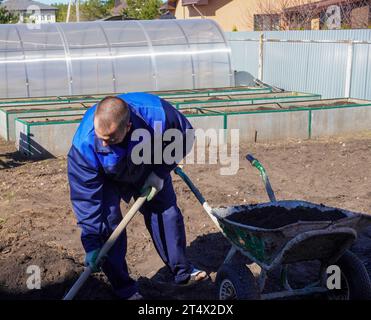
point(38, 227)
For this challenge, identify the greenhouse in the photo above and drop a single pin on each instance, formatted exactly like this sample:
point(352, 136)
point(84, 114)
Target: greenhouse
point(112, 56)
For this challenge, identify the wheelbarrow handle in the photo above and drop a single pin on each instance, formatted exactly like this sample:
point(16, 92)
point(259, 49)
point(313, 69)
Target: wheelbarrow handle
point(251, 158)
point(190, 184)
point(198, 195)
point(255, 163)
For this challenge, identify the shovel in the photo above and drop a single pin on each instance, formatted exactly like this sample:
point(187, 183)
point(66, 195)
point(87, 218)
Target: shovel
point(109, 243)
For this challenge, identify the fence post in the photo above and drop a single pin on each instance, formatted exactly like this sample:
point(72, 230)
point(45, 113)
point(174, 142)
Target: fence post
point(261, 57)
point(348, 74)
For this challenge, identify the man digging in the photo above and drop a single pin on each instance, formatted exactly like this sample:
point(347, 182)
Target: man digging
point(101, 172)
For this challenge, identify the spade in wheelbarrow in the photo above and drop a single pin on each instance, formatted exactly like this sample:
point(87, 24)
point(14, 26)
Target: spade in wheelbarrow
point(275, 235)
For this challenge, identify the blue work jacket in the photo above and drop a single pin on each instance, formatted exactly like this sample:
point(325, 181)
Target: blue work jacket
point(91, 165)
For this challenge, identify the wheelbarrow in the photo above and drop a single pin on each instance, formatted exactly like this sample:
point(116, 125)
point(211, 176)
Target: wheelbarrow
point(273, 236)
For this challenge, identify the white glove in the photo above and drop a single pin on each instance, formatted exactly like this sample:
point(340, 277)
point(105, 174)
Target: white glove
point(154, 181)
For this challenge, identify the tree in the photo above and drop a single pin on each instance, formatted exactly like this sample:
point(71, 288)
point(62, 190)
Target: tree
point(6, 16)
point(110, 4)
point(93, 10)
point(309, 14)
point(278, 15)
point(61, 13)
point(143, 9)
point(90, 10)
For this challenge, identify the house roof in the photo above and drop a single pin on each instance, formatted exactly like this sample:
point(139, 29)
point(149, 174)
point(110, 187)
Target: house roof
point(167, 6)
point(167, 15)
point(173, 3)
point(195, 2)
point(23, 5)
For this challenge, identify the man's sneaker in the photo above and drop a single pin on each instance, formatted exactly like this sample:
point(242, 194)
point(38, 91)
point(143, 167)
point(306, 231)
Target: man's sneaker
point(195, 277)
point(136, 296)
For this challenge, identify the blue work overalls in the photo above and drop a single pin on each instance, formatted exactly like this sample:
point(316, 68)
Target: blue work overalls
point(100, 177)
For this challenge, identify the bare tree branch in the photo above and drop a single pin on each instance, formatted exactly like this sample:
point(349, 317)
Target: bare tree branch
point(300, 14)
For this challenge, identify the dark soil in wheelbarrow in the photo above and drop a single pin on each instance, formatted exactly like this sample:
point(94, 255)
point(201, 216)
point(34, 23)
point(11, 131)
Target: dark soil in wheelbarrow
point(276, 217)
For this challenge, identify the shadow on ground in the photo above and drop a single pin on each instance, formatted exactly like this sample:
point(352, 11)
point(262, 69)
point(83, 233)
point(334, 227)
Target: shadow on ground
point(11, 160)
point(206, 252)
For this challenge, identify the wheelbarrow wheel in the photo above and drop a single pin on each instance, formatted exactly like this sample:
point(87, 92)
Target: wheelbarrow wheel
point(355, 281)
point(236, 282)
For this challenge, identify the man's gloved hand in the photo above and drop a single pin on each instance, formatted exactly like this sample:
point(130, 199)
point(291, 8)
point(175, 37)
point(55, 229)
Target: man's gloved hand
point(90, 260)
point(154, 181)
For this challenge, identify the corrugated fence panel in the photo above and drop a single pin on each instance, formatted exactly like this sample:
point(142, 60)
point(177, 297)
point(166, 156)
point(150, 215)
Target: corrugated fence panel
point(286, 61)
point(309, 67)
point(247, 58)
point(361, 74)
point(326, 71)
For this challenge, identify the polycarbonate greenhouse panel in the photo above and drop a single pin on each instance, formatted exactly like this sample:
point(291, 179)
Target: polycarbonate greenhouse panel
point(13, 75)
point(46, 70)
point(112, 56)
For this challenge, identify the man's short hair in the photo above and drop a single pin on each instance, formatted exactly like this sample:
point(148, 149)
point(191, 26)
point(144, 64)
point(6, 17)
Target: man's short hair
point(112, 110)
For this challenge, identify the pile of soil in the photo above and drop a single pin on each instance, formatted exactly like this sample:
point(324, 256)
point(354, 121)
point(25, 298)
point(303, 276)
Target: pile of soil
point(320, 105)
point(264, 108)
point(275, 217)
